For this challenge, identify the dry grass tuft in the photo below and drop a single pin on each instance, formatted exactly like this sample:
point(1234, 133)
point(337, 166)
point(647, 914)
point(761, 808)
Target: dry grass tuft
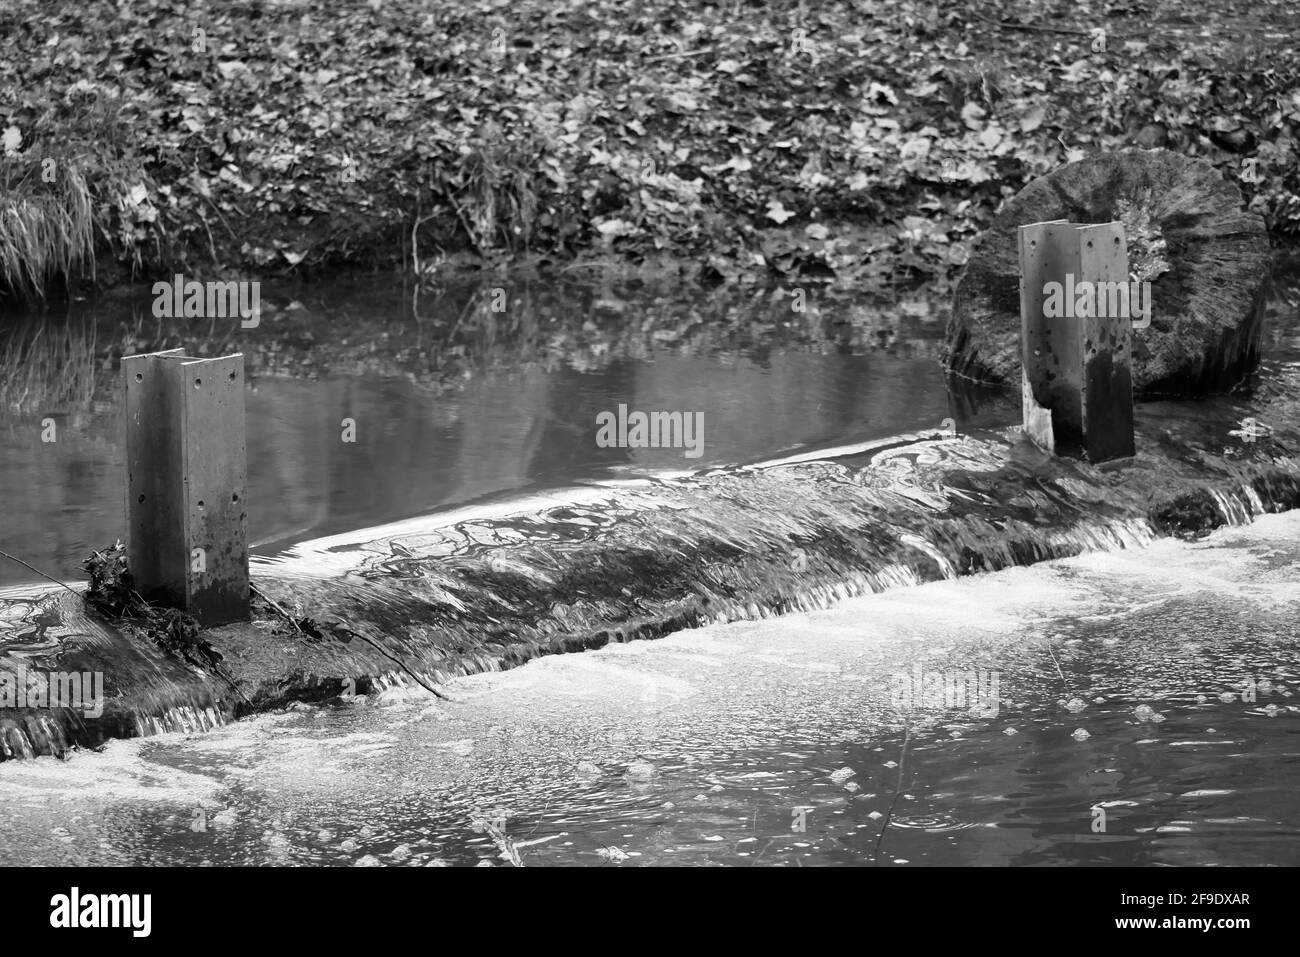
point(46, 228)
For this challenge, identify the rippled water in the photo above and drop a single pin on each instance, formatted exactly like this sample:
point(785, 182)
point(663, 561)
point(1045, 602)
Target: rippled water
point(703, 746)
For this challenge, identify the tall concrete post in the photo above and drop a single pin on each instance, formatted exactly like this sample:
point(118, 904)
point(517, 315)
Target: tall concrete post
point(186, 463)
point(1076, 381)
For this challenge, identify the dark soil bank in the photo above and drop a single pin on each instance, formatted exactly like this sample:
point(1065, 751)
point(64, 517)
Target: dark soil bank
point(861, 141)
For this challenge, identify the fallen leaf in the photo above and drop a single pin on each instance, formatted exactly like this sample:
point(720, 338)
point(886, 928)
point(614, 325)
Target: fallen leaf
point(777, 212)
point(1033, 119)
point(972, 114)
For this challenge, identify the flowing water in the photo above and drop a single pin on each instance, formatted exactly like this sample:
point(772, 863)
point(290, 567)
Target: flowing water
point(475, 524)
point(1158, 686)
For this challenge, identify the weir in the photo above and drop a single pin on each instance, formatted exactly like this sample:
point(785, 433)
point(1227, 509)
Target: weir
point(492, 585)
point(492, 589)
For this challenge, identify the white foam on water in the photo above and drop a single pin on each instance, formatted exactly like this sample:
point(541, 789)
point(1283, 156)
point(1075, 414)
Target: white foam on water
point(705, 694)
point(1228, 562)
point(842, 451)
point(124, 770)
point(986, 610)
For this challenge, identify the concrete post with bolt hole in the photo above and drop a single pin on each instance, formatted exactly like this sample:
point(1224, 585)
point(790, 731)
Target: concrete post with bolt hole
point(186, 470)
point(1077, 313)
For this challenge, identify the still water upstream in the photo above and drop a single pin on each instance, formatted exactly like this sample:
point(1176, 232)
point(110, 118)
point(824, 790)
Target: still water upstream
point(463, 405)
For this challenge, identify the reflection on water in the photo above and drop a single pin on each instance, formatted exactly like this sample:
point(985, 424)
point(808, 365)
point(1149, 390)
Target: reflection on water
point(461, 405)
point(1157, 685)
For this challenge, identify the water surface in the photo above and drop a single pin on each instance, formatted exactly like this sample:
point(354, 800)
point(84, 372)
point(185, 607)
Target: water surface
point(459, 405)
point(1159, 685)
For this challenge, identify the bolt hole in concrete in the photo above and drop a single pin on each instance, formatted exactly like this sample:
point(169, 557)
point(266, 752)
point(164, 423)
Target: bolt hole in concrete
point(197, 383)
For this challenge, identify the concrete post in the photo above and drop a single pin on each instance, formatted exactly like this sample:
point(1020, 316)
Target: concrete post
point(1075, 336)
point(187, 539)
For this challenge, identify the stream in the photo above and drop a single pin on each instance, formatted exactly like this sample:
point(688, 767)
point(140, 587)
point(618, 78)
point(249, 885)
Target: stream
point(1159, 685)
point(904, 691)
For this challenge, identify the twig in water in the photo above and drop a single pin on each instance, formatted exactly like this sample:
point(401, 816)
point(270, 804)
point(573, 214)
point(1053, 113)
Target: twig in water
point(1058, 669)
point(38, 571)
point(342, 627)
point(541, 840)
point(763, 851)
point(496, 830)
point(338, 623)
point(270, 601)
point(889, 814)
point(473, 298)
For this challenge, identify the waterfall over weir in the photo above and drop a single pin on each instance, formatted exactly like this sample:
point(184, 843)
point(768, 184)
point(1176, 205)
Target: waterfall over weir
point(482, 590)
point(144, 691)
point(491, 586)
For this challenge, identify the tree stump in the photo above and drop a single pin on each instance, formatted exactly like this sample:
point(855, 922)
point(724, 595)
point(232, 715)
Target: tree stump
point(1207, 259)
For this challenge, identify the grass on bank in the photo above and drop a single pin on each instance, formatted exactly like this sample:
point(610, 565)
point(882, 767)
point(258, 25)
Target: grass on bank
point(46, 227)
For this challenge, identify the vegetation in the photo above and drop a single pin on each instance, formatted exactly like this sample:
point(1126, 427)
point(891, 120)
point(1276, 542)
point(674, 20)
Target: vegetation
point(45, 233)
point(112, 593)
point(850, 139)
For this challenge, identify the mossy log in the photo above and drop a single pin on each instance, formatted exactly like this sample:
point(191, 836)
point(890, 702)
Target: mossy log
point(1207, 258)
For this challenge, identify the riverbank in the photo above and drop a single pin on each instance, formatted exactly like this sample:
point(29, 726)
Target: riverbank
point(837, 143)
